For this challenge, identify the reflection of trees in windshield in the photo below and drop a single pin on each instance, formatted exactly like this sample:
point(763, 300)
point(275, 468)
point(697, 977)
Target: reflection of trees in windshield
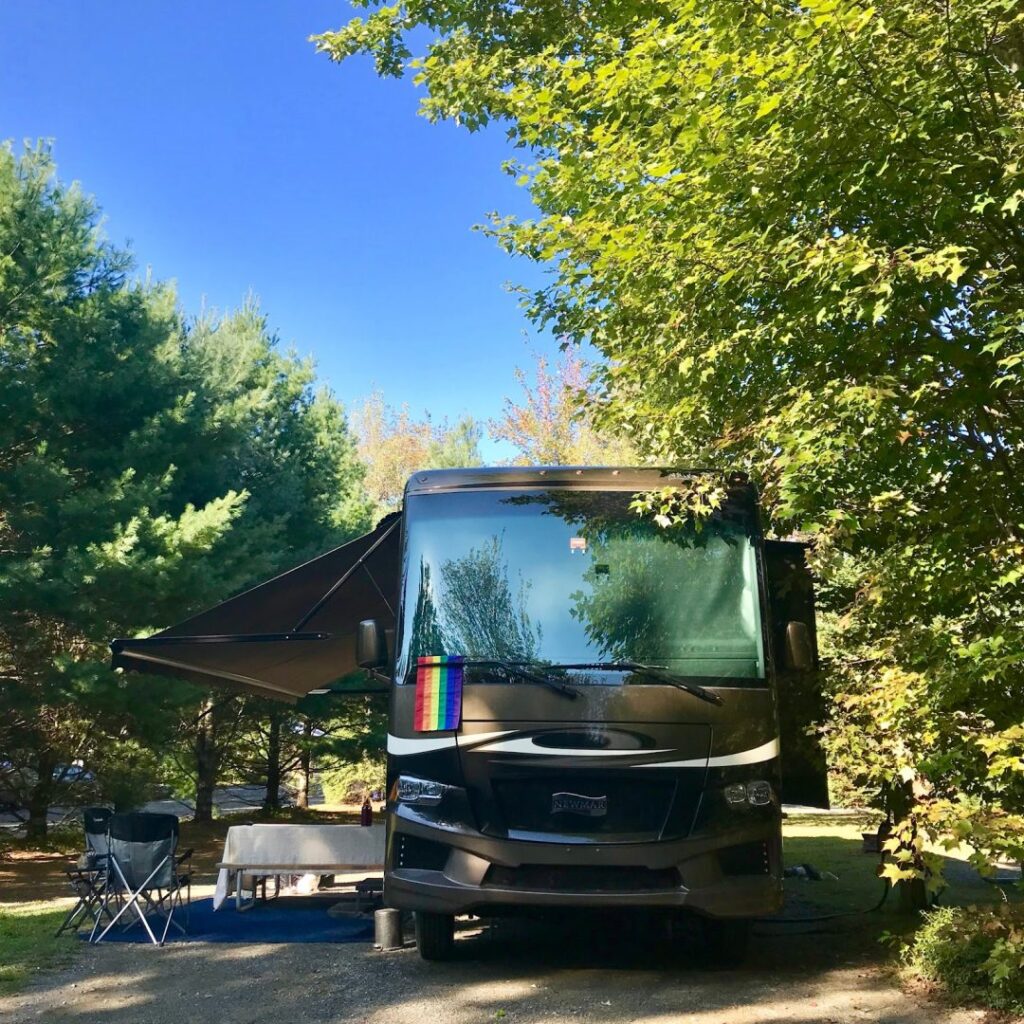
point(653, 594)
point(482, 616)
point(611, 512)
point(427, 635)
point(593, 511)
point(476, 612)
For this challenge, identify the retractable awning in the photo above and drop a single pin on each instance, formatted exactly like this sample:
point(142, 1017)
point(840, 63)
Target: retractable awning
point(288, 636)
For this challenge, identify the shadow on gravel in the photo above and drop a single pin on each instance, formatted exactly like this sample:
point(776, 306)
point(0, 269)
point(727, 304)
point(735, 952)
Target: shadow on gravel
point(581, 967)
point(640, 941)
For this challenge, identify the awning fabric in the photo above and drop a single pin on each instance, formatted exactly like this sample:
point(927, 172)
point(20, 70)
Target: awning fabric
point(288, 636)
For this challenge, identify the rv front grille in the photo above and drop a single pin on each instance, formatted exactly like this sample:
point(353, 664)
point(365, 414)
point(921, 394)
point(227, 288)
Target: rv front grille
point(567, 878)
point(614, 807)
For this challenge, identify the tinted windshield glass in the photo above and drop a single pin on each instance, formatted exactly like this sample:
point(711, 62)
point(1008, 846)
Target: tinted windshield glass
point(563, 577)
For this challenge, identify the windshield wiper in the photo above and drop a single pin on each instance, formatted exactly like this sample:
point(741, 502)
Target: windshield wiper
point(514, 668)
point(658, 672)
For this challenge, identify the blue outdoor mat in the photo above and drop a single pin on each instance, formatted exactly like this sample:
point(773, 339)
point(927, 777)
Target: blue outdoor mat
point(287, 920)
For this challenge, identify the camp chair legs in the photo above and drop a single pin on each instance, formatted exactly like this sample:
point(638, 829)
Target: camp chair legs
point(88, 885)
point(83, 908)
point(161, 903)
point(90, 900)
point(166, 902)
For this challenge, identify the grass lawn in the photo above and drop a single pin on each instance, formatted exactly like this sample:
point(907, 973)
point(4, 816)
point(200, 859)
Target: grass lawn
point(833, 844)
point(27, 944)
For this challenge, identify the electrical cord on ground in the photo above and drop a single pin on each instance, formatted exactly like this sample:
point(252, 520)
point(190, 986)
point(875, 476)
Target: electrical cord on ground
point(818, 918)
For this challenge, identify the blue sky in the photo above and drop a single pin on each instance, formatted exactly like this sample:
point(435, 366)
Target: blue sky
point(235, 158)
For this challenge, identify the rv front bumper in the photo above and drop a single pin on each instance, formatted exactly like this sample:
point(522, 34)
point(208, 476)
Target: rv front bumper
point(737, 873)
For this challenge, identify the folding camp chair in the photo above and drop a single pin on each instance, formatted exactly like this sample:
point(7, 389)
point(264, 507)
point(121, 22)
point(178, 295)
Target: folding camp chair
point(147, 871)
point(88, 877)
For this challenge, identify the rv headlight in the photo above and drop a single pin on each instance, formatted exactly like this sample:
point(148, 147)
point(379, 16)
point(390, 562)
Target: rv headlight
point(736, 794)
point(420, 792)
point(753, 794)
point(759, 793)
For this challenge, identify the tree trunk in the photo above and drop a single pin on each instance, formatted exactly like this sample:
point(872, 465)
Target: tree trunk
point(302, 798)
point(208, 757)
point(912, 895)
point(272, 800)
point(40, 797)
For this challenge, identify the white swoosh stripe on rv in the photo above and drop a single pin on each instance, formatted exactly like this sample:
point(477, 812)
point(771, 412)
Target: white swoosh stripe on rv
point(398, 745)
point(422, 745)
point(526, 745)
point(755, 755)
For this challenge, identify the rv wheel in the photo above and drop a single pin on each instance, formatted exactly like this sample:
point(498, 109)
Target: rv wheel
point(435, 935)
point(725, 940)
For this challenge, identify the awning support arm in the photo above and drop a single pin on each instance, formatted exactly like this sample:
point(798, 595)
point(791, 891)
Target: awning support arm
point(376, 586)
point(339, 583)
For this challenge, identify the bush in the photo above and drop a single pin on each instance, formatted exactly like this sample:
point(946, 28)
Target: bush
point(349, 783)
point(974, 953)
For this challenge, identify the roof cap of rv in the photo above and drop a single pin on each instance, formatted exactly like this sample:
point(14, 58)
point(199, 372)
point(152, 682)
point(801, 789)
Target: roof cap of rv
point(625, 478)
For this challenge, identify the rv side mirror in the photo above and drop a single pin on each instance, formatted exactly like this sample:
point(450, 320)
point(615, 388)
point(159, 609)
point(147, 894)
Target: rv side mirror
point(799, 655)
point(371, 651)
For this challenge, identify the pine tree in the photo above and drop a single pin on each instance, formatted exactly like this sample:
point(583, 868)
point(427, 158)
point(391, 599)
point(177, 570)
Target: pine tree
point(148, 468)
point(93, 542)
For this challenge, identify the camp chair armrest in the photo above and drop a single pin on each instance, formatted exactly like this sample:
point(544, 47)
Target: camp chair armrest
point(184, 855)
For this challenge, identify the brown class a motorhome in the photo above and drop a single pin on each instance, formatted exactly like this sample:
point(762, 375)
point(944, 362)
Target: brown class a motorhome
point(586, 708)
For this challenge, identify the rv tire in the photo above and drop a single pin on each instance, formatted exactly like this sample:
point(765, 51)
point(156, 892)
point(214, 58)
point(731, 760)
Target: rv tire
point(435, 935)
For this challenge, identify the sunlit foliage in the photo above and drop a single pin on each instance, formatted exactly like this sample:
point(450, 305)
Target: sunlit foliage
point(793, 230)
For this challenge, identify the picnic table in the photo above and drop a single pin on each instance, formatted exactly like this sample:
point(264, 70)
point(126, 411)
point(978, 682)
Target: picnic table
point(270, 851)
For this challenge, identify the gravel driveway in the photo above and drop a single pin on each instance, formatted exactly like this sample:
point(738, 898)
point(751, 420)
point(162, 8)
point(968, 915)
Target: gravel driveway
point(582, 971)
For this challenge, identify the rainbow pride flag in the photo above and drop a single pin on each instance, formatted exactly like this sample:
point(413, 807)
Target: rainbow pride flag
point(438, 692)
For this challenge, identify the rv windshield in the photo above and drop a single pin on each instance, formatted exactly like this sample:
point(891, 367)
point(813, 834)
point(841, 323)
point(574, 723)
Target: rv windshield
point(564, 577)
